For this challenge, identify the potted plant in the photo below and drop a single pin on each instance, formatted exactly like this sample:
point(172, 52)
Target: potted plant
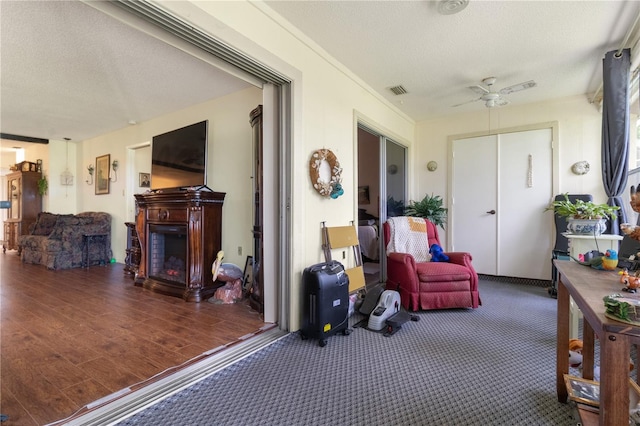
point(394, 207)
point(43, 185)
point(583, 217)
point(430, 207)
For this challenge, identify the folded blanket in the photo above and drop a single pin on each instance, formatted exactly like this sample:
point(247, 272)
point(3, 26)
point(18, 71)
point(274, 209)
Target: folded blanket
point(409, 235)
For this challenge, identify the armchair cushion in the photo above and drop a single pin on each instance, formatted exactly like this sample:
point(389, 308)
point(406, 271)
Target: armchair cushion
point(44, 223)
point(432, 285)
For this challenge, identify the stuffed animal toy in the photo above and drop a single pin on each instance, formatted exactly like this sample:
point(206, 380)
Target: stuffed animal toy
point(575, 353)
point(575, 358)
point(437, 254)
point(631, 283)
point(610, 260)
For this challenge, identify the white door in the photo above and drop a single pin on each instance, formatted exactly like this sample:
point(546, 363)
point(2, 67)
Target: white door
point(507, 187)
point(475, 192)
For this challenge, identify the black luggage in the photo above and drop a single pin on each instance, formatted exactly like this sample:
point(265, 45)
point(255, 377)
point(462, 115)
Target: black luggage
point(326, 301)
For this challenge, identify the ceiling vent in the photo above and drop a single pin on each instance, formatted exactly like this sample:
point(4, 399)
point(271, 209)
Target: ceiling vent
point(398, 90)
point(450, 7)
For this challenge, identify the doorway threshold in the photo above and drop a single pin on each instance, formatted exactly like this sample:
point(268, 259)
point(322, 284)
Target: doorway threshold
point(128, 401)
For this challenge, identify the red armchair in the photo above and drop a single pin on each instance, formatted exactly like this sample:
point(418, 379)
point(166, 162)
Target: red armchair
point(432, 285)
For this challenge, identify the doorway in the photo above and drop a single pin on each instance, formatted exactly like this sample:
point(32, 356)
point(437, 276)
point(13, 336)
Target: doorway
point(382, 193)
point(501, 185)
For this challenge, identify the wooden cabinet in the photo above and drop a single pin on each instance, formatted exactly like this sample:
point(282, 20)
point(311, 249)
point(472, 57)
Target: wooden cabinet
point(256, 298)
point(26, 203)
point(180, 234)
point(132, 252)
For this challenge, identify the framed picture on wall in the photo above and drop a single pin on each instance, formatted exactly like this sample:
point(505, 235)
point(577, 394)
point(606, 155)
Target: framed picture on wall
point(102, 174)
point(145, 180)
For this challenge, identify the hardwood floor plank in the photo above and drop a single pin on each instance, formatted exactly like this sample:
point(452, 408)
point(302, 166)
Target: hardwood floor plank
point(39, 397)
point(71, 337)
point(12, 408)
point(110, 375)
point(86, 392)
point(62, 341)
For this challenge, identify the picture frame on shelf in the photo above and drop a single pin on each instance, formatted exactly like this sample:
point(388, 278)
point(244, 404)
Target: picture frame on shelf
point(363, 195)
point(144, 180)
point(102, 180)
point(247, 274)
point(582, 390)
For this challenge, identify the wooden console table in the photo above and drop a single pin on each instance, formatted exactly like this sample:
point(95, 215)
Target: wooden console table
point(587, 287)
point(581, 244)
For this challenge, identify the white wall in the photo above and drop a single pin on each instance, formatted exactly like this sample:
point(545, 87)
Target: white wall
point(62, 198)
point(579, 138)
point(229, 165)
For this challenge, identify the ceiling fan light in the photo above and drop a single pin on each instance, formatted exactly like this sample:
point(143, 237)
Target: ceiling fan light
point(490, 103)
point(450, 7)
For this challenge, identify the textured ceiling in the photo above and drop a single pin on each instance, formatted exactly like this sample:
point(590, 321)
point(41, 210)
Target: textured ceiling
point(68, 70)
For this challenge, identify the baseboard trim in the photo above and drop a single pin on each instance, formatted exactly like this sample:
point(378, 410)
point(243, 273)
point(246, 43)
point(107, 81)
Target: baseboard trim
point(516, 280)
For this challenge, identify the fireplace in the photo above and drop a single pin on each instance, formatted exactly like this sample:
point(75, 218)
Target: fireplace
point(168, 253)
point(180, 234)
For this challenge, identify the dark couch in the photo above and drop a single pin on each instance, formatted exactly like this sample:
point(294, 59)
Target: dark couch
point(57, 240)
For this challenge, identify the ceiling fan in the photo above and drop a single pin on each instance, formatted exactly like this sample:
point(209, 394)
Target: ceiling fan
point(492, 98)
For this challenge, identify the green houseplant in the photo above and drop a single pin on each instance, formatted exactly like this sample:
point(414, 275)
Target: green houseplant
point(580, 209)
point(43, 185)
point(430, 207)
point(583, 217)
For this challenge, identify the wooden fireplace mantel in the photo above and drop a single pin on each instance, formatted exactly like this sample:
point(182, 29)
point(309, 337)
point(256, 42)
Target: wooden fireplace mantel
point(200, 211)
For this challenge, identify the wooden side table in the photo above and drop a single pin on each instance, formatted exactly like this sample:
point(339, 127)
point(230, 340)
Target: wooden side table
point(132, 252)
point(581, 244)
point(587, 287)
point(87, 241)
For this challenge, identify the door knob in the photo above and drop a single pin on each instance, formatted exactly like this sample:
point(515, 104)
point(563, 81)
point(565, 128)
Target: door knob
point(491, 212)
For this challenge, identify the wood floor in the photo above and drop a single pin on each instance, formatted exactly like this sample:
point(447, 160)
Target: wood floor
point(71, 337)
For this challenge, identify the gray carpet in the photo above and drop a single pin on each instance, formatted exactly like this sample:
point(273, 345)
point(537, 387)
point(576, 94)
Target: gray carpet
point(491, 366)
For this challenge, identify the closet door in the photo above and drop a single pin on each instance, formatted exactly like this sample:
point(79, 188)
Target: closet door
point(473, 224)
point(501, 186)
point(524, 235)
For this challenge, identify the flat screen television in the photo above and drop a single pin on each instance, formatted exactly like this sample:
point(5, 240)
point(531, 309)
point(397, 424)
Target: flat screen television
point(179, 158)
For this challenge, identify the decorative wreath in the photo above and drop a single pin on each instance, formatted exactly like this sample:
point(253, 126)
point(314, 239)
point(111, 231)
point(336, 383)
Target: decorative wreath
point(333, 188)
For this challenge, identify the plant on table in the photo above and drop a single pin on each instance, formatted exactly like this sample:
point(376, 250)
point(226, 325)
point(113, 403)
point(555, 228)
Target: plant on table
point(580, 209)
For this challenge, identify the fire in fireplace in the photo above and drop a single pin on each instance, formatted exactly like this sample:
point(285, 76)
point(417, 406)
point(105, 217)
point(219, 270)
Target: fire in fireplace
point(168, 253)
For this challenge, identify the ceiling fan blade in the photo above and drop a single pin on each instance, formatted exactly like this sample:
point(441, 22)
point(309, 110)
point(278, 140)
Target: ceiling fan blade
point(479, 89)
point(518, 87)
point(467, 102)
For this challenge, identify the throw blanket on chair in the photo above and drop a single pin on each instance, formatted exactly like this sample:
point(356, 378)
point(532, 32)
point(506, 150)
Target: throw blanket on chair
point(409, 235)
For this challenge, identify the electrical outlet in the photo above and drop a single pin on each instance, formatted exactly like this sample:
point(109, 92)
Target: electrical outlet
point(239, 250)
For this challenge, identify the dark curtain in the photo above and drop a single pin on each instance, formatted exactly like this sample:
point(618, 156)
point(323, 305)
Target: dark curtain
point(615, 130)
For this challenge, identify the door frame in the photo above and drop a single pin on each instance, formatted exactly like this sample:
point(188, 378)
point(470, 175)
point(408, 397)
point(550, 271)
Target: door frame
point(384, 136)
point(555, 168)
